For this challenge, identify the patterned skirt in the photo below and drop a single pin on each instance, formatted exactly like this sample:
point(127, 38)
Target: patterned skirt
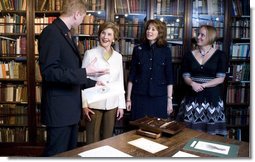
point(203, 116)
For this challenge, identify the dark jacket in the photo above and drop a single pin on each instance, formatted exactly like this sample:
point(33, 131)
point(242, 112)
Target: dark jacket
point(62, 76)
point(151, 70)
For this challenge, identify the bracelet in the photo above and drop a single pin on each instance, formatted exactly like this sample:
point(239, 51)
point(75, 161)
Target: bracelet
point(170, 97)
point(128, 100)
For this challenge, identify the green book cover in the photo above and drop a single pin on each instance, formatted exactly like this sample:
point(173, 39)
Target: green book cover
point(214, 148)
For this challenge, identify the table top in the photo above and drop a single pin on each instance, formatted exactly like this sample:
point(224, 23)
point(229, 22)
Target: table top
point(175, 143)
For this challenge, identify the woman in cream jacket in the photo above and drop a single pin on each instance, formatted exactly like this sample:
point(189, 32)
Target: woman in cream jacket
point(101, 115)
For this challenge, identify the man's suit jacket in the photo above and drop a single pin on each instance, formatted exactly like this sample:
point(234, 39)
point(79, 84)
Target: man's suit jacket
point(63, 77)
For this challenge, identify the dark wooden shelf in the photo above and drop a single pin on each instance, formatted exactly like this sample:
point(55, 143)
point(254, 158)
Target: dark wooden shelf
point(239, 60)
point(238, 104)
point(237, 126)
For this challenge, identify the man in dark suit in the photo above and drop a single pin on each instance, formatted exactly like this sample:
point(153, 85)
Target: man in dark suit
point(63, 79)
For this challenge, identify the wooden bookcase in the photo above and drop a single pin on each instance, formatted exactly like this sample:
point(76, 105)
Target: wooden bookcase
point(18, 128)
point(130, 15)
point(238, 83)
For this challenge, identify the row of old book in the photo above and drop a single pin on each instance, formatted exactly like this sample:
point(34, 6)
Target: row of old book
point(89, 25)
point(240, 7)
point(57, 5)
point(13, 24)
point(239, 72)
point(238, 94)
point(17, 93)
point(15, 115)
point(12, 70)
point(48, 5)
point(13, 5)
point(42, 22)
point(12, 109)
point(14, 135)
point(17, 71)
point(13, 93)
point(130, 6)
point(166, 7)
point(21, 135)
point(12, 47)
point(237, 116)
point(241, 28)
point(240, 50)
point(208, 7)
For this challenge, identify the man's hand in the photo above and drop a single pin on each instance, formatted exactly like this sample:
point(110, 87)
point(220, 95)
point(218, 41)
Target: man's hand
point(91, 70)
point(100, 83)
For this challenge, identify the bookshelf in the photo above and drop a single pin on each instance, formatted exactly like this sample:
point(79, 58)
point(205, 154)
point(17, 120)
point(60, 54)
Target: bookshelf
point(20, 27)
point(238, 83)
point(17, 102)
point(13, 73)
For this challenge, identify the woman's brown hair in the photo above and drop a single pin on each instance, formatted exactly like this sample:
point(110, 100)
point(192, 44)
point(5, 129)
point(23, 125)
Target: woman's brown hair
point(161, 27)
point(110, 25)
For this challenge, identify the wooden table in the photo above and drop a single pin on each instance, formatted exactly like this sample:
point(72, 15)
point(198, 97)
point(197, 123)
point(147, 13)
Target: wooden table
point(175, 143)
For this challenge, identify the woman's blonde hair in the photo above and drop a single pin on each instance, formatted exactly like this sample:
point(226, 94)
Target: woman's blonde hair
point(211, 33)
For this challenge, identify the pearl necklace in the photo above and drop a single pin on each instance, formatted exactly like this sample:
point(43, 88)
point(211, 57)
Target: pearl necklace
point(202, 53)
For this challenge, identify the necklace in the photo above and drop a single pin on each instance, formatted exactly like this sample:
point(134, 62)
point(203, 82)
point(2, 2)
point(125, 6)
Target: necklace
point(204, 53)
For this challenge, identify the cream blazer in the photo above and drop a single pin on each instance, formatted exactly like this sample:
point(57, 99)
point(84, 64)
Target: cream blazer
point(115, 66)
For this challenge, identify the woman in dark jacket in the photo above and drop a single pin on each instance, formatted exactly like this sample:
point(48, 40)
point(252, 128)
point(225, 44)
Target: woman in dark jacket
point(150, 81)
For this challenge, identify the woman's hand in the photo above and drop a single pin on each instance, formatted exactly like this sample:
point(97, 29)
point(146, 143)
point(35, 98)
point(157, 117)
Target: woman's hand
point(120, 113)
point(169, 106)
point(128, 105)
point(87, 112)
point(197, 87)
